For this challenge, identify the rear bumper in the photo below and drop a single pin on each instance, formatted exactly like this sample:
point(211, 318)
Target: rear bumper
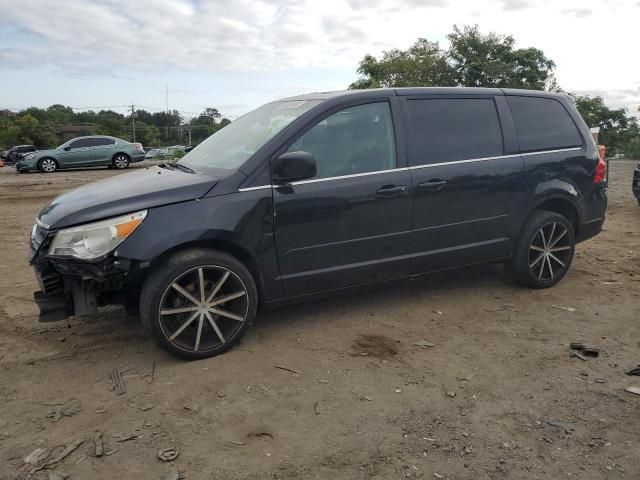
point(137, 158)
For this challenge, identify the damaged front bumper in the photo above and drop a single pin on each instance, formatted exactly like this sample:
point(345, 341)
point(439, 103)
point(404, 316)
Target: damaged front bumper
point(71, 287)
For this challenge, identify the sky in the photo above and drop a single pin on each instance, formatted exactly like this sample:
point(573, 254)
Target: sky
point(235, 55)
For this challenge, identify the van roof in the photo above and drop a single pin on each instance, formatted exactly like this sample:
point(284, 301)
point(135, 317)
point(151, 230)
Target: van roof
point(405, 91)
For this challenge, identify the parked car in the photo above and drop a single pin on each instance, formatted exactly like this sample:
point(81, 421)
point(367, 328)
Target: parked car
point(18, 152)
point(635, 185)
point(90, 151)
point(322, 194)
point(155, 153)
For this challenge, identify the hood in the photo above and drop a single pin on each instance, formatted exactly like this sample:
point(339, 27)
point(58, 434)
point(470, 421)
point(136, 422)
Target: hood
point(121, 194)
point(42, 153)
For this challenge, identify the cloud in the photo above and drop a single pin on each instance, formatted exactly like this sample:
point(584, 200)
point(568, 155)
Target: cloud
point(579, 12)
point(512, 5)
point(628, 98)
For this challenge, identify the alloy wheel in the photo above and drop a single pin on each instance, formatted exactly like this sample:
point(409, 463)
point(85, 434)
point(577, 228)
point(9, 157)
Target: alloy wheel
point(549, 252)
point(203, 308)
point(121, 161)
point(48, 165)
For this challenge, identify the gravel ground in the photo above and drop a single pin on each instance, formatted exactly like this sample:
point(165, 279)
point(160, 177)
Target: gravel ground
point(496, 397)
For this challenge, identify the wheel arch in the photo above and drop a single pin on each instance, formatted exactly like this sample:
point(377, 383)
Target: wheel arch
point(558, 203)
point(221, 245)
point(120, 152)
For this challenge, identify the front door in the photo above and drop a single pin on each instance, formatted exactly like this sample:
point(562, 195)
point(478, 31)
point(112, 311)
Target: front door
point(351, 223)
point(76, 154)
point(465, 188)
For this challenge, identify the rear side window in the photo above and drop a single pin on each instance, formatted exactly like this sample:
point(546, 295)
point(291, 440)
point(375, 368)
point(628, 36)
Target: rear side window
point(99, 142)
point(450, 129)
point(543, 124)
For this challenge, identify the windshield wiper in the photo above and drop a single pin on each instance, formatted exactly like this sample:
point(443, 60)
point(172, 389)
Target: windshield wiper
point(184, 168)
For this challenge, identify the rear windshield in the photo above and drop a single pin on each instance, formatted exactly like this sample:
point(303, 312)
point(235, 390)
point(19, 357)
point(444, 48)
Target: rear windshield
point(233, 145)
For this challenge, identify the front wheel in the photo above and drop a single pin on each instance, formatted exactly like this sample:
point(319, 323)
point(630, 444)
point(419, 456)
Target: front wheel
point(545, 250)
point(120, 161)
point(199, 303)
point(48, 165)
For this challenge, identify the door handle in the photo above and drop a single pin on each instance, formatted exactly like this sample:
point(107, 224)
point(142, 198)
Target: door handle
point(432, 185)
point(391, 190)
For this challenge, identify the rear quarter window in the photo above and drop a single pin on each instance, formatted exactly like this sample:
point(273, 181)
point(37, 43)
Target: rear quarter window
point(543, 124)
point(451, 129)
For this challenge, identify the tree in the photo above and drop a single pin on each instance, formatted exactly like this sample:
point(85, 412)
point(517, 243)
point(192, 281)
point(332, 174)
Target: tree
point(423, 64)
point(492, 60)
point(618, 130)
point(472, 60)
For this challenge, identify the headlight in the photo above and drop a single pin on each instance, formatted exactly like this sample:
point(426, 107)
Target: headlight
point(94, 240)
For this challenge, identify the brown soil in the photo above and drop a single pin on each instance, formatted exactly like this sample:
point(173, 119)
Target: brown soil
point(497, 397)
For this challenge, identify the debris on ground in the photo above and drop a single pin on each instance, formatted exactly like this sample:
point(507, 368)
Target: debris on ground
point(153, 373)
point(566, 309)
point(634, 371)
point(577, 355)
point(366, 397)
point(236, 442)
point(635, 390)
point(143, 407)
point(375, 345)
point(316, 408)
point(287, 369)
point(559, 424)
point(192, 407)
point(100, 409)
point(36, 456)
point(57, 475)
point(584, 350)
point(97, 440)
point(173, 474)
point(125, 437)
point(61, 456)
point(451, 394)
point(424, 343)
point(118, 382)
point(168, 454)
point(66, 409)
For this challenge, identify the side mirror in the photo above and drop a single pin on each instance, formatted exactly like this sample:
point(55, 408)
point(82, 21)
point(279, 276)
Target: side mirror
point(66, 149)
point(294, 166)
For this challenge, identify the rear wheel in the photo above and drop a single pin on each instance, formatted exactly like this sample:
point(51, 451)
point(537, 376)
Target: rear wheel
point(48, 165)
point(120, 161)
point(199, 303)
point(545, 250)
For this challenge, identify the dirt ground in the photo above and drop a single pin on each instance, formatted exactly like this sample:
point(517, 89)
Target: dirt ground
point(496, 397)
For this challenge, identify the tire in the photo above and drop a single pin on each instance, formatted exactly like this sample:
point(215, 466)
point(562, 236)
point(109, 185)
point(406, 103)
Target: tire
point(120, 161)
point(545, 250)
point(47, 165)
point(198, 329)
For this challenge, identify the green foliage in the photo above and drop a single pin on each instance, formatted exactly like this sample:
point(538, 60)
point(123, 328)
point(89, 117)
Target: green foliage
point(47, 128)
point(473, 59)
point(618, 131)
point(633, 149)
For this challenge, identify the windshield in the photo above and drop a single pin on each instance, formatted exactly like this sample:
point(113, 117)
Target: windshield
point(231, 146)
point(64, 144)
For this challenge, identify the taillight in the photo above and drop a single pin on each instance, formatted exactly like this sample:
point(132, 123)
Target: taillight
point(138, 146)
point(600, 174)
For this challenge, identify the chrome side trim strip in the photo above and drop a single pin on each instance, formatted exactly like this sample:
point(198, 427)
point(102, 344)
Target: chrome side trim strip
point(542, 152)
point(470, 160)
point(416, 167)
point(353, 175)
point(260, 187)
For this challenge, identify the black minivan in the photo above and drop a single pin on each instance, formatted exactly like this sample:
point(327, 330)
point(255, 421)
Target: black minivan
point(317, 194)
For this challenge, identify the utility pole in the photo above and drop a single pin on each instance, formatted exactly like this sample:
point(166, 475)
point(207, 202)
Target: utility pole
point(189, 137)
point(133, 121)
point(167, 101)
